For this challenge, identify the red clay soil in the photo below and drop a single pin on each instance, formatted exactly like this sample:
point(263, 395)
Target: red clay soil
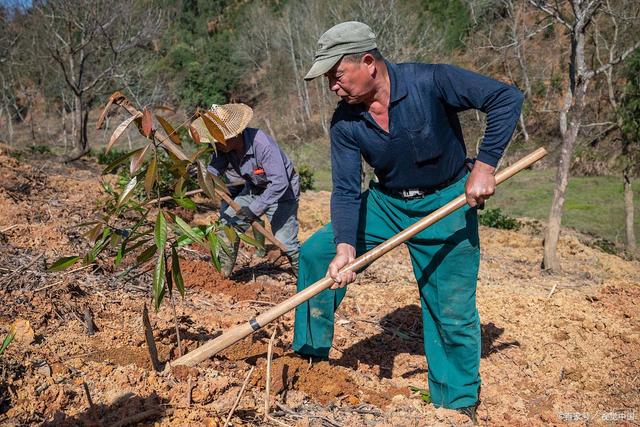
point(202, 275)
point(546, 356)
point(322, 381)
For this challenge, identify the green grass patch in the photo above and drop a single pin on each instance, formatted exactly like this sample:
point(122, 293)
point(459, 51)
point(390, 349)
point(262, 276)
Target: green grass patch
point(497, 219)
point(593, 205)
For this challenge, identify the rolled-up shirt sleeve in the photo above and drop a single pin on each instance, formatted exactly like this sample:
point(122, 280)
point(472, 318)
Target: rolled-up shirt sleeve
point(345, 197)
point(270, 158)
point(463, 89)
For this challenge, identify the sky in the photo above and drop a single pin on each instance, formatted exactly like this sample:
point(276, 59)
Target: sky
point(13, 3)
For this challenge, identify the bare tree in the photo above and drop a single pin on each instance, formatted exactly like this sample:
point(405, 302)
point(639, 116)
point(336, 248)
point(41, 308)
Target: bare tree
point(279, 51)
point(607, 38)
point(89, 41)
point(576, 16)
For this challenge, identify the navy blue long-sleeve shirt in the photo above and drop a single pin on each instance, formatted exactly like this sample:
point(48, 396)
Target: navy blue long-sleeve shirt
point(424, 147)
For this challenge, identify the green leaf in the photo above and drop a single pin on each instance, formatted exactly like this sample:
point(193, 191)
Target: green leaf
point(219, 183)
point(94, 232)
point(150, 176)
point(7, 340)
point(424, 394)
point(249, 240)
point(213, 248)
point(84, 224)
point(106, 186)
point(175, 271)
point(111, 166)
point(115, 240)
point(186, 203)
point(224, 247)
point(124, 249)
point(63, 263)
point(147, 254)
point(179, 188)
point(161, 230)
point(158, 282)
point(128, 191)
point(231, 233)
point(186, 228)
point(97, 247)
point(183, 240)
point(205, 182)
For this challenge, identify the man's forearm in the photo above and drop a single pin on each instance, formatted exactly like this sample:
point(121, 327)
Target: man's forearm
point(483, 167)
point(346, 249)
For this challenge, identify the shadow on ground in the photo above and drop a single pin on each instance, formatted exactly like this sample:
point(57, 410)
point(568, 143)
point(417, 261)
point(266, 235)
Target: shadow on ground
point(402, 333)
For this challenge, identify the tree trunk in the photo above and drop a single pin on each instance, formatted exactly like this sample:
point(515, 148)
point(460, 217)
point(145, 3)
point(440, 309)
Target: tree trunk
point(9, 124)
point(570, 122)
point(296, 75)
point(323, 115)
point(81, 116)
point(550, 261)
point(305, 91)
point(630, 234)
point(523, 126)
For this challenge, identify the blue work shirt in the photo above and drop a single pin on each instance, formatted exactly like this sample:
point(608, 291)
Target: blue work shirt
point(424, 147)
point(265, 168)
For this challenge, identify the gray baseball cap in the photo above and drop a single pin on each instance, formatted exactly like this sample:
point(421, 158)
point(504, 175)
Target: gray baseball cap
point(337, 41)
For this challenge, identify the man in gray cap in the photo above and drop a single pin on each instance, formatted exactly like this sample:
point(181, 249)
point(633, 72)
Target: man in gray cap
point(402, 119)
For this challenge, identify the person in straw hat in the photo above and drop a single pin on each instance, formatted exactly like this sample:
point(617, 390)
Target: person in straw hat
point(403, 120)
point(272, 186)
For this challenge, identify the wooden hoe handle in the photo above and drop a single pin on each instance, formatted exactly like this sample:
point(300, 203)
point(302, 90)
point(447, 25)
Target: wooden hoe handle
point(238, 332)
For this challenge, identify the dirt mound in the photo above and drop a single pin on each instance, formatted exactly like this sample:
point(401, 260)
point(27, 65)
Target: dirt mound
point(123, 356)
point(203, 275)
point(321, 381)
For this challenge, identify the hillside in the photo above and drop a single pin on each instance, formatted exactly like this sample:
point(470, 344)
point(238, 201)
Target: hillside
point(555, 347)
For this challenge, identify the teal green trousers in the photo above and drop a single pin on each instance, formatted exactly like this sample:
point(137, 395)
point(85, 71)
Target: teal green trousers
point(445, 259)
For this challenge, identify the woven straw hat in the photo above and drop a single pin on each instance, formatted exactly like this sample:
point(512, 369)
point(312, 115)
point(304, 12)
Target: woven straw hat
point(235, 118)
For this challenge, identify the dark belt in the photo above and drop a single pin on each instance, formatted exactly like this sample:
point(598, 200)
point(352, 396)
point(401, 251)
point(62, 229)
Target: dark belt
point(418, 193)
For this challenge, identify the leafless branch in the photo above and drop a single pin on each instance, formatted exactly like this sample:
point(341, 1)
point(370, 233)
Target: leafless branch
point(617, 60)
point(551, 11)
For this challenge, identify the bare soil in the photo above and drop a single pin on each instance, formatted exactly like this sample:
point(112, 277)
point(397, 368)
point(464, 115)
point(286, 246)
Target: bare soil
point(564, 357)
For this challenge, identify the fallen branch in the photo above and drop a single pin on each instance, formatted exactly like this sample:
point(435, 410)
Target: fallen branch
point(553, 289)
point(268, 381)
point(235, 405)
point(49, 286)
point(289, 411)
